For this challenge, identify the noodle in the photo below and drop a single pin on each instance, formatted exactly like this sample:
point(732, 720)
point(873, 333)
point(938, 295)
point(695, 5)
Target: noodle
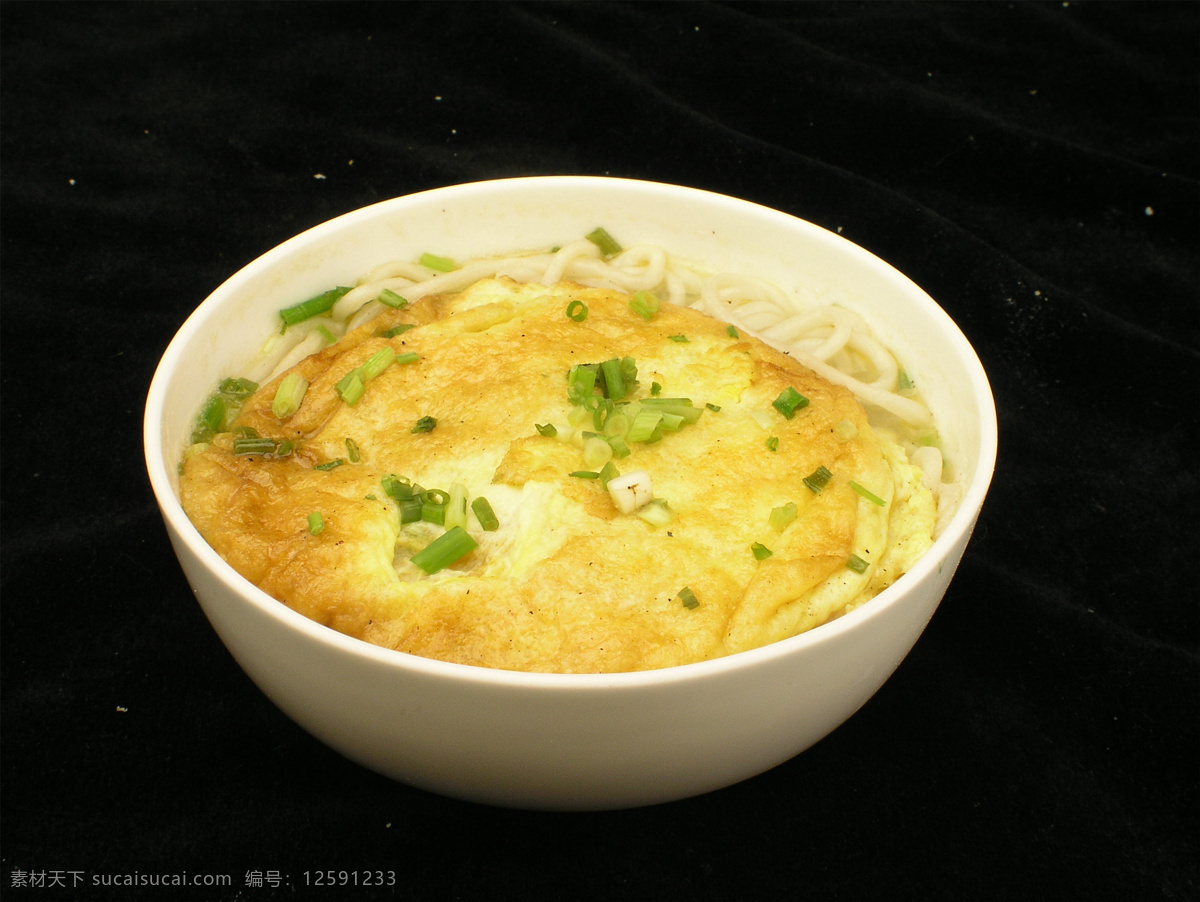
point(832, 341)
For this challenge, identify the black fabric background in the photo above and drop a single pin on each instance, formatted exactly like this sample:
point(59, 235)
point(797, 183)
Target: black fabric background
point(1032, 166)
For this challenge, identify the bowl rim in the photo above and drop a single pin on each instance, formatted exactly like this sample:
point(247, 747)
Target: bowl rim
point(957, 530)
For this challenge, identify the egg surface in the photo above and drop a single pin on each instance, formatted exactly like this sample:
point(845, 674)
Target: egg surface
point(762, 525)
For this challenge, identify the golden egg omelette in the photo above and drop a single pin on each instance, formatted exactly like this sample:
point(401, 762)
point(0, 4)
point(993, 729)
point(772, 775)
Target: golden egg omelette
point(768, 519)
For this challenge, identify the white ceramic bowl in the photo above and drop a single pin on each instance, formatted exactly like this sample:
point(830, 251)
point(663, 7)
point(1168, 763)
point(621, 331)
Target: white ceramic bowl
point(581, 741)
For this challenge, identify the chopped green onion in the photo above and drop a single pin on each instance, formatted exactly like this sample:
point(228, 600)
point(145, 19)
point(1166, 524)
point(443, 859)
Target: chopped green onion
point(614, 381)
point(445, 550)
point(731, 332)
point(377, 363)
point(903, 382)
point(410, 357)
point(581, 379)
point(643, 425)
point(845, 430)
point(253, 445)
point(352, 450)
point(679, 407)
point(631, 491)
point(715, 408)
point(818, 479)
point(399, 329)
point(237, 389)
point(655, 389)
point(761, 551)
point(596, 452)
point(330, 464)
point(773, 443)
point(284, 448)
point(656, 512)
point(857, 564)
point(619, 448)
point(608, 245)
point(456, 506)
point(869, 495)
point(485, 514)
point(425, 424)
point(289, 395)
point(688, 598)
point(410, 510)
point(577, 311)
point(314, 306)
point(644, 304)
point(670, 422)
point(678, 339)
point(351, 387)
point(549, 430)
point(782, 516)
point(584, 474)
point(209, 420)
point(433, 511)
point(440, 264)
point(789, 401)
point(389, 297)
point(609, 472)
point(316, 523)
point(326, 334)
point(397, 487)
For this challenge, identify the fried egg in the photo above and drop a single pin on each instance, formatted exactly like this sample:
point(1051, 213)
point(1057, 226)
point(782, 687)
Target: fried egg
point(566, 583)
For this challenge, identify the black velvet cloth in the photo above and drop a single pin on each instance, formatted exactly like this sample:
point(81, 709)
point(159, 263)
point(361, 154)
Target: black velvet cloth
point(1032, 166)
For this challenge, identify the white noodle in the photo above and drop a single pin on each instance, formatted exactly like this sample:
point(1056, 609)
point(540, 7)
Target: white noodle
point(832, 341)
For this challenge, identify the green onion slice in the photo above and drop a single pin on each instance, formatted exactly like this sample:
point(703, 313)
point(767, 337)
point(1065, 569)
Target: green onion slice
point(330, 464)
point(485, 514)
point(644, 304)
point(789, 401)
point(678, 339)
point(656, 512)
point(608, 245)
point(377, 363)
point(549, 430)
point(731, 332)
point(614, 380)
point(773, 443)
point(351, 387)
point(425, 424)
point(445, 550)
point(782, 516)
point(253, 445)
point(209, 420)
point(316, 523)
point(397, 487)
point(577, 311)
point(391, 299)
point(868, 494)
point(456, 506)
point(289, 395)
point(761, 552)
point(857, 564)
point(688, 598)
point(438, 263)
point(352, 450)
point(818, 479)
point(584, 474)
point(314, 306)
point(581, 379)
